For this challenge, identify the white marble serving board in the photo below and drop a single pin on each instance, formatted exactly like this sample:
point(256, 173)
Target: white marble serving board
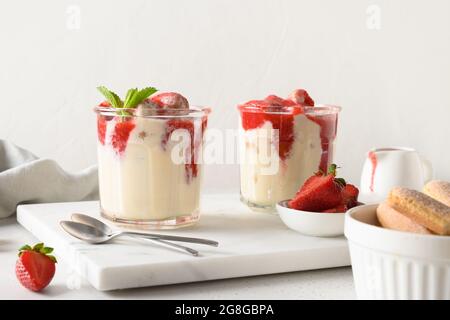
point(250, 244)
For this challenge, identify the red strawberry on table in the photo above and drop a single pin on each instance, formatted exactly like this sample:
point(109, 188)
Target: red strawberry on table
point(35, 268)
point(320, 192)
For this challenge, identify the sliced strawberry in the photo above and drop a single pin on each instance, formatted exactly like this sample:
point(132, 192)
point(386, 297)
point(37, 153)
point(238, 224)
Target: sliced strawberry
point(101, 128)
point(320, 192)
point(274, 100)
point(302, 97)
point(35, 268)
point(260, 104)
point(122, 131)
point(350, 195)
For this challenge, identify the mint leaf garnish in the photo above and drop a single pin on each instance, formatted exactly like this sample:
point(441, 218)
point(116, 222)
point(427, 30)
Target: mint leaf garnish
point(132, 99)
point(111, 97)
point(135, 96)
point(130, 94)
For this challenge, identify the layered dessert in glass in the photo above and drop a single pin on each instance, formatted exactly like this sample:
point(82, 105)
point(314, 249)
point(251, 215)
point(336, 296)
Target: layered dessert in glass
point(282, 143)
point(148, 159)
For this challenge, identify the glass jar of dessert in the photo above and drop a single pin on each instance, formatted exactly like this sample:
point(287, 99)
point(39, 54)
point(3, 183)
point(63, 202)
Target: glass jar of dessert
point(149, 159)
point(282, 143)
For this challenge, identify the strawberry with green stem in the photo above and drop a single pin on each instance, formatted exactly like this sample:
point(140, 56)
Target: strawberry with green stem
point(323, 192)
point(320, 192)
point(35, 267)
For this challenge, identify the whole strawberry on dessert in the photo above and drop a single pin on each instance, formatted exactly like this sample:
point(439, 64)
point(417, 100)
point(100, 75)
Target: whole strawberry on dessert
point(323, 192)
point(35, 267)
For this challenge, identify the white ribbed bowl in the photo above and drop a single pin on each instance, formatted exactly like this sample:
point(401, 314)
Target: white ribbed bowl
point(389, 264)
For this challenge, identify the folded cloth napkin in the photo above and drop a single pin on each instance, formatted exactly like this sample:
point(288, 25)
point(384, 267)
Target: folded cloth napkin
point(24, 178)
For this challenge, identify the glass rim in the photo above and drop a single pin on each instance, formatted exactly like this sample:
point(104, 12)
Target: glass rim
point(320, 109)
point(392, 149)
point(192, 112)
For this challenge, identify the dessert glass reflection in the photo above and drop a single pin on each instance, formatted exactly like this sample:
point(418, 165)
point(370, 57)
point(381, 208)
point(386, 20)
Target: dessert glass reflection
point(148, 159)
point(282, 143)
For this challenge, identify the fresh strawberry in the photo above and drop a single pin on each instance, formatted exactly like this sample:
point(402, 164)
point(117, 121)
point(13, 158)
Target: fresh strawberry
point(339, 209)
point(122, 131)
point(170, 100)
point(101, 128)
point(274, 100)
point(257, 104)
point(350, 195)
point(35, 268)
point(302, 97)
point(105, 104)
point(320, 192)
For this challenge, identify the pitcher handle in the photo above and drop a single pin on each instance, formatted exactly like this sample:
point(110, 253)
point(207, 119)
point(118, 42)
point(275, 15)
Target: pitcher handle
point(427, 168)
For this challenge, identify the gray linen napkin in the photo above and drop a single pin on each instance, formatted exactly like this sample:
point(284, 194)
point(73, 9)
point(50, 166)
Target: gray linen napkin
point(24, 178)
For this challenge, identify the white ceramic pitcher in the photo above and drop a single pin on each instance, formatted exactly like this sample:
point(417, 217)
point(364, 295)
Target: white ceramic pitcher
point(386, 168)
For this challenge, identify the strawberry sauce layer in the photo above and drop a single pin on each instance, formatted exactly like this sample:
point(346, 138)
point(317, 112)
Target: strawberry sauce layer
point(121, 134)
point(124, 126)
point(280, 113)
point(328, 127)
point(256, 112)
point(191, 165)
point(101, 129)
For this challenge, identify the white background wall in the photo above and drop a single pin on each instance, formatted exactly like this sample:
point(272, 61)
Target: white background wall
point(393, 83)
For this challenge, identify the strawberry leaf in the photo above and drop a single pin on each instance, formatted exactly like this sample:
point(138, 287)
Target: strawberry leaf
point(46, 250)
point(25, 247)
point(52, 258)
point(37, 247)
point(341, 182)
point(40, 248)
point(332, 169)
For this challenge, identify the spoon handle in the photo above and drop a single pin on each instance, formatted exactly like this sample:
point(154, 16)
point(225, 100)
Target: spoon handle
point(174, 245)
point(167, 243)
point(172, 238)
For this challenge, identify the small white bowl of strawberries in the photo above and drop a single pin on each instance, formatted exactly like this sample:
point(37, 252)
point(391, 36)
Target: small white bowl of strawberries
point(318, 209)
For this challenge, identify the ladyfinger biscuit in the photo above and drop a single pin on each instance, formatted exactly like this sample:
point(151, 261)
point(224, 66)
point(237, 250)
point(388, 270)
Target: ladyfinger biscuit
point(422, 209)
point(392, 219)
point(439, 190)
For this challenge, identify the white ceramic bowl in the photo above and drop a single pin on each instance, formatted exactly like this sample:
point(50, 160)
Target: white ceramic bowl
point(311, 223)
point(389, 264)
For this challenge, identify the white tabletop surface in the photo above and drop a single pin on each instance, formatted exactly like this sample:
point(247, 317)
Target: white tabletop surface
point(320, 284)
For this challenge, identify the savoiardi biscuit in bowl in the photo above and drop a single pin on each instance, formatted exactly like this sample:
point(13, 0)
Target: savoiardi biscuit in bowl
point(400, 249)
